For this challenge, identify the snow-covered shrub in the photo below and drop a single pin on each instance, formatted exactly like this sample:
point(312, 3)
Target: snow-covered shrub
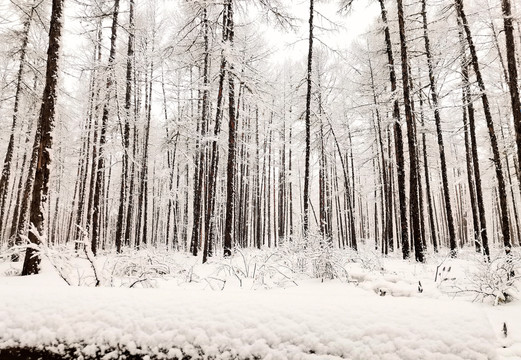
point(253, 268)
point(315, 257)
point(293, 253)
point(496, 279)
point(141, 268)
point(367, 258)
point(77, 266)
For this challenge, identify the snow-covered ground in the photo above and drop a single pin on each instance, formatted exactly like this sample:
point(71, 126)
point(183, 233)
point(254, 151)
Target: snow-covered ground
point(257, 306)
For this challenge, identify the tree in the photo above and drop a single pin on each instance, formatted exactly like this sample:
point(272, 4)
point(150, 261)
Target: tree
point(437, 119)
point(232, 139)
point(505, 229)
point(6, 171)
point(398, 137)
point(124, 187)
point(43, 140)
point(411, 136)
point(512, 72)
point(308, 119)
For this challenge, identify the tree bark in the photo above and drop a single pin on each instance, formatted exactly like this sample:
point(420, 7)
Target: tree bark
point(43, 140)
point(308, 121)
point(398, 138)
point(413, 167)
point(124, 186)
point(232, 136)
point(490, 124)
point(512, 72)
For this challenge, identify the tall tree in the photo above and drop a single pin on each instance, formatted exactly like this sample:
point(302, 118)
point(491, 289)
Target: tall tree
point(232, 139)
point(43, 140)
point(124, 186)
point(398, 137)
point(505, 229)
point(439, 133)
point(308, 119)
point(6, 171)
point(512, 72)
point(411, 136)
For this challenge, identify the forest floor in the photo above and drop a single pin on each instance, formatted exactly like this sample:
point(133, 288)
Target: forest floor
point(290, 303)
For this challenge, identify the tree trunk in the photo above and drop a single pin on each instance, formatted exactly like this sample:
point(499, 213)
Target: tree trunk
point(512, 72)
point(490, 124)
point(441, 146)
point(232, 136)
point(413, 167)
point(308, 120)
point(398, 139)
point(6, 171)
point(214, 158)
point(43, 140)
point(124, 186)
point(103, 132)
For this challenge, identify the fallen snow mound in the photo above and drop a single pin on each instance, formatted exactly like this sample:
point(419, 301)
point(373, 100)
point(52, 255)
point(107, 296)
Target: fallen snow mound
point(313, 321)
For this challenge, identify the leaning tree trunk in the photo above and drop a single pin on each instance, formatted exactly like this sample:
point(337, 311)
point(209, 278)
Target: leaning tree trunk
point(473, 144)
point(43, 140)
point(6, 171)
point(491, 131)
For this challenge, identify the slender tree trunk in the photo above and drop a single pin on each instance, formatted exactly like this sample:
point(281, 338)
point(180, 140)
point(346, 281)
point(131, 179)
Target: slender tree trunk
point(437, 119)
point(214, 159)
point(103, 132)
point(6, 171)
point(124, 186)
point(232, 136)
point(308, 120)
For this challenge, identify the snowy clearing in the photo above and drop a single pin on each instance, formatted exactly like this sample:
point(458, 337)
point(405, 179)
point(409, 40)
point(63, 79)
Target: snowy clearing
point(307, 318)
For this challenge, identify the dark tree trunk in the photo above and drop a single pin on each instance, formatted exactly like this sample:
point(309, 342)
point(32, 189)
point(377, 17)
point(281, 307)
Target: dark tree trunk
point(96, 211)
point(413, 167)
point(512, 72)
point(232, 138)
point(441, 146)
point(43, 139)
point(124, 186)
point(490, 124)
point(214, 159)
point(398, 138)
point(308, 120)
point(144, 165)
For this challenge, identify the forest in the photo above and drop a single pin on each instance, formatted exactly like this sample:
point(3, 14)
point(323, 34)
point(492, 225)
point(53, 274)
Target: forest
point(315, 134)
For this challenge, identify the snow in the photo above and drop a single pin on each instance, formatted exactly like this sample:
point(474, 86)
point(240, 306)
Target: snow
point(318, 319)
